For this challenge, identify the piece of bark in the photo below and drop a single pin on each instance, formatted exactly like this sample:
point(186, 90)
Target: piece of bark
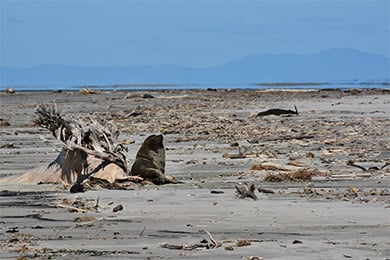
point(246, 190)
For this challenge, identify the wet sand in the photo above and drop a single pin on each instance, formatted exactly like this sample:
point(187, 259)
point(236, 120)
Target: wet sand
point(213, 142)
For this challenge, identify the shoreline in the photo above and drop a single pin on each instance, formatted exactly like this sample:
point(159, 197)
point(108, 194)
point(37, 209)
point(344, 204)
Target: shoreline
point(341, 85)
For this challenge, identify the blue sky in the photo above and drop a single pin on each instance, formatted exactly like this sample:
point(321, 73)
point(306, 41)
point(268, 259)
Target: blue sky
point(188, 33)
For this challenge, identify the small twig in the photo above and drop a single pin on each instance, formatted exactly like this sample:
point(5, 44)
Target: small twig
point(352, 176)
point(97, 203)
point(238, 145)
point(142, 232)
point(214, 242)
point(71, 208)
point(351, 163)
point(188, 247)
point(386, 164)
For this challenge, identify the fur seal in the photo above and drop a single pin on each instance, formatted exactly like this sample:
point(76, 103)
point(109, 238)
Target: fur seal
point(150, 161)
point(278, 112)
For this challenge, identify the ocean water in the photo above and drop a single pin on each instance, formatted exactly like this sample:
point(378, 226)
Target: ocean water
point(187, 86)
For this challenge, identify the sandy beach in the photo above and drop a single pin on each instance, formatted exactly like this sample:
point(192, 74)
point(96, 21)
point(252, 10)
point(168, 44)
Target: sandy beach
point(322, 177)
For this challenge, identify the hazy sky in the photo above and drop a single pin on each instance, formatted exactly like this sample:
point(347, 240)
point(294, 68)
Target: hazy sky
point(183, 32)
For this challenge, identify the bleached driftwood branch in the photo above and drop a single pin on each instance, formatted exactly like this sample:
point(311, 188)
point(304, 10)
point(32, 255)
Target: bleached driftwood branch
point(82, 138)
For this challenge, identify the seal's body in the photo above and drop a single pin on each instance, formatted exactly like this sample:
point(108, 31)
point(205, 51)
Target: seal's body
point(150, 160)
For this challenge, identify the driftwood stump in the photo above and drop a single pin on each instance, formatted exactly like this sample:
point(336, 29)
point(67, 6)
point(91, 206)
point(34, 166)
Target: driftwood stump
point(89, 149)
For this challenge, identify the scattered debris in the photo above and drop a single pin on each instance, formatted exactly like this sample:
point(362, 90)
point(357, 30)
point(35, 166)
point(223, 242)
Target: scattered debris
point(212, 243)
point(279, 177)
point(267, 167)
point(83, 219)
point(241, 243)
point(79, 205)
point(298, 175)
point(349, 194)
point(234, 156)
point(301, 175)
point(33, 252)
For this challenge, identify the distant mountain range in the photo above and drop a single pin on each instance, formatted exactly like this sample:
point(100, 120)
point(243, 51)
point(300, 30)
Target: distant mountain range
point(341, 64)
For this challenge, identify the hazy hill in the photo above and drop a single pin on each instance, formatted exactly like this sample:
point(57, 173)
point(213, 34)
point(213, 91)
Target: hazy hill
point(331, 65)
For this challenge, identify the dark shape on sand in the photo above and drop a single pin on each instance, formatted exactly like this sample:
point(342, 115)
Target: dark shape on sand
point(76, 188)
point(117, 208)
point(147, 96)
point(150, 161)
point(278, 112)
point(262, 190)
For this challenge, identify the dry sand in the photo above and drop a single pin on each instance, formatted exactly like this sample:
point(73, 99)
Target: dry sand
point(342, 213)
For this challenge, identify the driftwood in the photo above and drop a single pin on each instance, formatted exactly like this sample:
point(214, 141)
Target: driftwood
point(192, 246)
point(246, 190)
point(374, 168)
point(211, 243)
point(89, 149)
point(239, 155)
point(350, 176)
point(278, 112)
